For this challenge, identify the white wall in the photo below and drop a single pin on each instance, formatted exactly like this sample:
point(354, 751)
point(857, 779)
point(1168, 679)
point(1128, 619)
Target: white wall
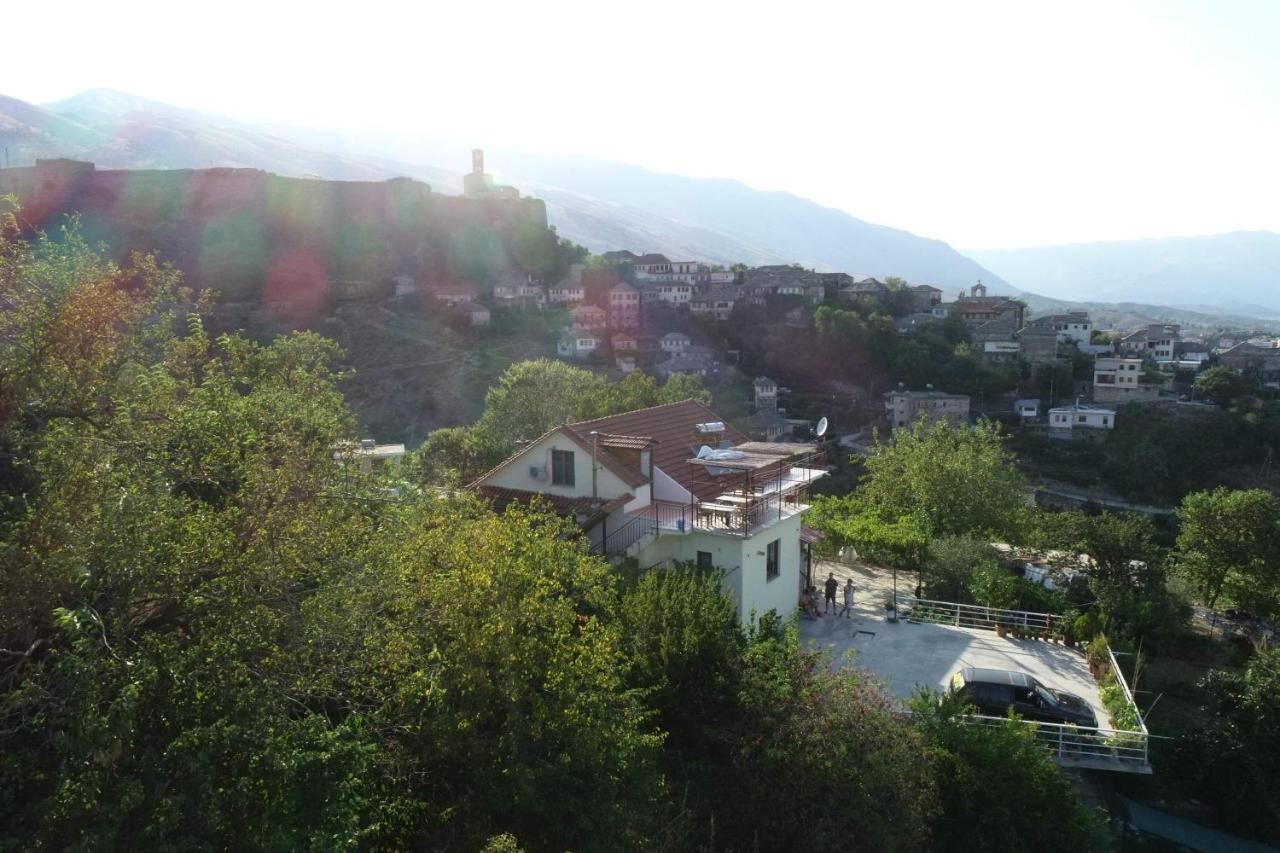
point(744, 564)
point(516, 474)
point(782, 593)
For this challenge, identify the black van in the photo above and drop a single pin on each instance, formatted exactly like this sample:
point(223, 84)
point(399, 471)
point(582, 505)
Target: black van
point(994, 691)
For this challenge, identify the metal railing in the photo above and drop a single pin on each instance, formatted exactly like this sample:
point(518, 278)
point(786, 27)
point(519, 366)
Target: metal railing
point(1121, 750)
point(974, 615)
point(618, 541)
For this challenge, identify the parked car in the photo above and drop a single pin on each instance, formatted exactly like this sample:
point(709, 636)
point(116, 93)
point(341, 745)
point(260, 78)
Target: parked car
point(994, 691)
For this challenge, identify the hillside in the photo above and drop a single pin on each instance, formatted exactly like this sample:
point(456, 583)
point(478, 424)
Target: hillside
point(598, 204)
point(1129, 315)
point(1237, 272)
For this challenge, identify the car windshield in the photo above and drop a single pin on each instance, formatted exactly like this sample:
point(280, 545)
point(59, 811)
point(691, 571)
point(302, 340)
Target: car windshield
point(1046, 695)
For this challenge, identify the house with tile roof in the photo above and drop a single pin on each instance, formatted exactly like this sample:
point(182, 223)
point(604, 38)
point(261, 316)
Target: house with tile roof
point(673, 484)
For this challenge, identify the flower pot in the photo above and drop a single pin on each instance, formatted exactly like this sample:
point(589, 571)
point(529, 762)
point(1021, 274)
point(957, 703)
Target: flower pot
point(1002, 631)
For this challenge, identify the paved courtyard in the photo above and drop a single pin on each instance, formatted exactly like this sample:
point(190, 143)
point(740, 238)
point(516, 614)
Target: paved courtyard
point(904, 655)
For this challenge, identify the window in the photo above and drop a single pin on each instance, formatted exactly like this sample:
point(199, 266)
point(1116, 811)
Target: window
point(562, 467)
point(771, 569)
point(705, 560)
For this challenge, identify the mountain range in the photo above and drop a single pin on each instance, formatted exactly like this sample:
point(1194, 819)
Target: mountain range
point(1222, 279)
point(1237, 272)
point(598, 204)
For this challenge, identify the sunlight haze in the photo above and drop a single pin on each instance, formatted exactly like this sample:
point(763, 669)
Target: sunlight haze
point(985, 125)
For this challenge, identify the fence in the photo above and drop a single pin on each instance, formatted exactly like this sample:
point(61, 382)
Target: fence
point(1099, 748)
point(1105, 748)
point(974, 615)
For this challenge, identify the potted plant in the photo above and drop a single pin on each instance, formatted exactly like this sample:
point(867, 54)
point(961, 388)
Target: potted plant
point(1097, 656)
point(890, 611)
point(1002, 630)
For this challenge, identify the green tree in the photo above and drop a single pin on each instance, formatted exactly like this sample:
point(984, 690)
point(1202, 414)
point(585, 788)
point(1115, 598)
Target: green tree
point(1229, 759)
point(957, 479)
point(1223, 384)
point(1229, 540)
point(533, 396)
point(952, 563)
point(998, 789)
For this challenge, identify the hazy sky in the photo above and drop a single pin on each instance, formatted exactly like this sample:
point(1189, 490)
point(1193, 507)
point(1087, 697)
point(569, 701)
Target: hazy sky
point(985, 124)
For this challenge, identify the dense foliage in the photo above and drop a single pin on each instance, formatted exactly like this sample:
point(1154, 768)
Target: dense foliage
point(1229, 544)
point(998, 789)
point(1229, 760)
point(530, 398)
point(217, 631)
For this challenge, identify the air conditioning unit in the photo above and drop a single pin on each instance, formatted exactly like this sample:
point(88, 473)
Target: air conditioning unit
point(538, 472)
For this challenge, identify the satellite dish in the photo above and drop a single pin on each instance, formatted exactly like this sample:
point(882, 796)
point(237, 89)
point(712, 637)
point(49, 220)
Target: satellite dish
point(821, 429)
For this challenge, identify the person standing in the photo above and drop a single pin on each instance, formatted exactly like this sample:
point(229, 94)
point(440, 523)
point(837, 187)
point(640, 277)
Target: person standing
point(848, 598)
point(831, 586)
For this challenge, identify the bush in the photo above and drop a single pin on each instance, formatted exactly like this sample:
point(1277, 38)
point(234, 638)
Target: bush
point(998, 789)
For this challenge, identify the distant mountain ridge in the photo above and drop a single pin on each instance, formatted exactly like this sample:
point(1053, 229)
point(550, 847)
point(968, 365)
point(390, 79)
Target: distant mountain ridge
point(1222, 271)
point(601, 205)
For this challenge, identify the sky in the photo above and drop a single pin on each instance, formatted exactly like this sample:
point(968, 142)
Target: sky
point(985, 124)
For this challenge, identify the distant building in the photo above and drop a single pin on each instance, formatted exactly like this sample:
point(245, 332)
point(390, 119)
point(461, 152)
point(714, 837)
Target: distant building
point(674, 342)
point(718, 302)
point(1157, 342)
point(624, 342)
point(1078, 421)
point(766, 393)
point(454, 293)
point(1072, 327)
point(624, 306)
point(925, 296)
point(474, 313)
point(1027, 409)
point(1038, 346)
point(578, 343)
point(587, 316)
point(652, 267)
point(479, 184)
point(368, 454)
point(976, 307)
point(570, 291)
point(1260, 358)
point(904, 407)
point(1119, 380)
point(694, 361)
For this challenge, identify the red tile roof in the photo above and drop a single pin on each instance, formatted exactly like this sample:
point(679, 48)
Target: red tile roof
point(672, 428)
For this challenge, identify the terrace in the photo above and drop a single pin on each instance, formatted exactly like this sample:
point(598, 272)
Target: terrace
point(937, 638)
point(744, 489)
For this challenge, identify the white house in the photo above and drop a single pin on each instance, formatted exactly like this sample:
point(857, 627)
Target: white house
point(674, 342)
point(674, 484)
point(1080, 421)
point(1027, 409)
point(578, 343)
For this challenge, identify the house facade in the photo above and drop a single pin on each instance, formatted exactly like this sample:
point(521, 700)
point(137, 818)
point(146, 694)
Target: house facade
point(674, 484)
point(624, 307)
point(1157, 342)
point(1119, 380)
point(1071, 327)
point(976, 308)
point(904, 407)
point(589, 317)
point(1079, 421)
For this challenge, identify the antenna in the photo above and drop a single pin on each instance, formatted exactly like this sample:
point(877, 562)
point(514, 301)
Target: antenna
point(821, 429)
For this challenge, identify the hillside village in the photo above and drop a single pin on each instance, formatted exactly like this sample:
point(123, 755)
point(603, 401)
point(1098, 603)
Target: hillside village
point(772, 430)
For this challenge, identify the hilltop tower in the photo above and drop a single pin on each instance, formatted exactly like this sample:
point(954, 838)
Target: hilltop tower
point(479, 184)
